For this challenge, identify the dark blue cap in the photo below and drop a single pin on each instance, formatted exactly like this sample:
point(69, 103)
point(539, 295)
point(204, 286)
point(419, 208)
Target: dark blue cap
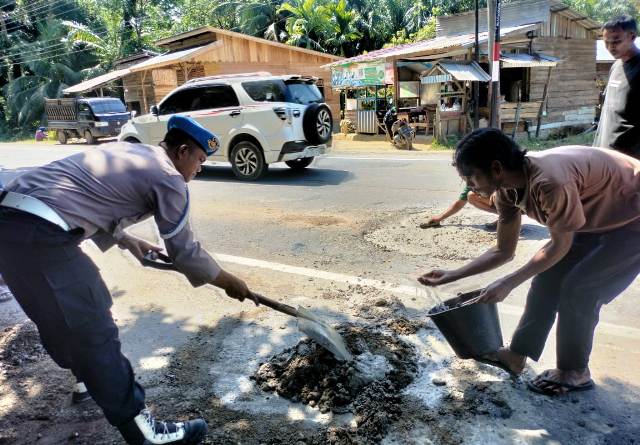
point(208, 141)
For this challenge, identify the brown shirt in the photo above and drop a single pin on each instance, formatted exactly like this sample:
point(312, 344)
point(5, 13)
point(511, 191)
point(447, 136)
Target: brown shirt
point(577, 189)
point(104, 190)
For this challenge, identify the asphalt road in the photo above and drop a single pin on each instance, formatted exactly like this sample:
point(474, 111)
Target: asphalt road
point(294, 235)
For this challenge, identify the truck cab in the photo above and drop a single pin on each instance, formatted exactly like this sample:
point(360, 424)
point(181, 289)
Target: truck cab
point(90, 118)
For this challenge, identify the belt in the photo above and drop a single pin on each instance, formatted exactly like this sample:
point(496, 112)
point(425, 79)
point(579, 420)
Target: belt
point(33, 206)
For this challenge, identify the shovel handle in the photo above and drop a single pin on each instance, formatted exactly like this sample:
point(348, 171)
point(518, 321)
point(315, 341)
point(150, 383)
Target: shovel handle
point(273, 304)
point(158, 260)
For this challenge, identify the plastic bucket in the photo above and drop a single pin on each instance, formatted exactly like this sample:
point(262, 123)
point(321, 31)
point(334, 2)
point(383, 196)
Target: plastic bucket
point(471, 329)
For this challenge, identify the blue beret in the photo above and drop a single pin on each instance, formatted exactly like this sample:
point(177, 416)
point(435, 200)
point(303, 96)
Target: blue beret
point(208, 141)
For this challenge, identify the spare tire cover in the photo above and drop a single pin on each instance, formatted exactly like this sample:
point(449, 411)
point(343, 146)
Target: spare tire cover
point(317, 123)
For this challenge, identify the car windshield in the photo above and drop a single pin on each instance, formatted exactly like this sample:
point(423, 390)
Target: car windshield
point(278, 91)
point(108, 106)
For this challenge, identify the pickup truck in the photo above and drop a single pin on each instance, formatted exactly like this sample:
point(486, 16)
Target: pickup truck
point(86, 117)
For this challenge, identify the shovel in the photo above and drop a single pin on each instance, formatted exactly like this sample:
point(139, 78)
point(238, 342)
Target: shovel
point(309, 324)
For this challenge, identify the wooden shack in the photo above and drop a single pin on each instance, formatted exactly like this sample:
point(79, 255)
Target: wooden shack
point(559, 32)
point(546, 47)
point(210, 51)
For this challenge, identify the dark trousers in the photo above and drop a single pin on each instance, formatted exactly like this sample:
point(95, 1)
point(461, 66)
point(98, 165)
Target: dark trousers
point(61, 290)
point(597, 268)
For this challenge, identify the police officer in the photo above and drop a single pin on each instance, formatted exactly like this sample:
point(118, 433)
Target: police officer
point(47, 212)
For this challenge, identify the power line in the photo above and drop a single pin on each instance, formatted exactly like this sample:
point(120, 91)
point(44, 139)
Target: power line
point(47, 48)
point(22, 7)
point(48, 17)
point(32, 8)
point(49, 57)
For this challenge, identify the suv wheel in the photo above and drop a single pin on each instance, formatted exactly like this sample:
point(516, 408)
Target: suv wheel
point(62, 136)
point(299, 164)
point(89, 137)
point(317, 123)
point(247, 161)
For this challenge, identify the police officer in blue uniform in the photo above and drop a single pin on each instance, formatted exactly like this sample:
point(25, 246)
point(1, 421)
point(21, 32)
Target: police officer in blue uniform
point(47, 212)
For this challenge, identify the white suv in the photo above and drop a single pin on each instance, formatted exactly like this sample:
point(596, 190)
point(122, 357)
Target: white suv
point(259, 118)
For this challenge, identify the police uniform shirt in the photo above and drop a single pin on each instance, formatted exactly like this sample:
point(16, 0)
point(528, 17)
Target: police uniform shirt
point(619, 125)
point(104, 190)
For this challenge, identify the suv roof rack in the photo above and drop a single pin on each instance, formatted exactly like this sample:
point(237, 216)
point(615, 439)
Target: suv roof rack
point(226, 76)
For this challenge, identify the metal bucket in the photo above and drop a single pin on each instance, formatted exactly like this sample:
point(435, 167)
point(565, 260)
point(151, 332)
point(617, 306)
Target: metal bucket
point(472, 329)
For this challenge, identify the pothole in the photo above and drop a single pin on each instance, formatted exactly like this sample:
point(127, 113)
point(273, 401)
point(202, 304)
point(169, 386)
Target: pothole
point(369, 387)
point(461, 237)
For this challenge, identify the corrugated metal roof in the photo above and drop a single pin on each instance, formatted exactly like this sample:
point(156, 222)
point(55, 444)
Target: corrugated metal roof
point(511, 14)
point(603, 55)
point(435, 46)
point(173, 58)
point(92, 84)
point(512, 60)
point(465, 71)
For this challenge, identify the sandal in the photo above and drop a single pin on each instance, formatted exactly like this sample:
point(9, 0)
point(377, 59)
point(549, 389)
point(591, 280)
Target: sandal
point(497, 364)
point(558, 388)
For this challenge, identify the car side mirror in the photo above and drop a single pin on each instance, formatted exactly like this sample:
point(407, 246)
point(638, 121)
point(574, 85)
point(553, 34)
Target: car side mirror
point(133, 114)
point(154, 110)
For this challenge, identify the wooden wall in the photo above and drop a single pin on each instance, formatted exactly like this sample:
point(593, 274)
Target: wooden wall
point(133, 86)
point(573, 95)
point(244, 56)
point(236, 55)
point(559, 25)
point(513, 14)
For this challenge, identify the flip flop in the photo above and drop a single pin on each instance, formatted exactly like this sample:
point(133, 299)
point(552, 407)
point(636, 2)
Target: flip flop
point(552, 393)
point(497, 364)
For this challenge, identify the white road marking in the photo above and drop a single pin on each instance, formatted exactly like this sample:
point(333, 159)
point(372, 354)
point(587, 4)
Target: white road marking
point(412, 291)
point(372, 158)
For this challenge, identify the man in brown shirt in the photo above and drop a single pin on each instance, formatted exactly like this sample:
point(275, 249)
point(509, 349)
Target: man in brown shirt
point(589, 198)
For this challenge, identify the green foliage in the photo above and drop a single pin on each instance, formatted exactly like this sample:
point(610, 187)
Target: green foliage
point(604, 10)
point(49, 45)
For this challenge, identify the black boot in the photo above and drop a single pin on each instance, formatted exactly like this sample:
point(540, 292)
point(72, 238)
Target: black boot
point(143, 429)
point(80, 394)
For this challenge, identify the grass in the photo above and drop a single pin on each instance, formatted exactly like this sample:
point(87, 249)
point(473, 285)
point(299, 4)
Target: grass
point(533, 144)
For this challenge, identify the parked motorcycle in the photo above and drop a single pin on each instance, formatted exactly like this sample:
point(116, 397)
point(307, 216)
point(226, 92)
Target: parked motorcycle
point(399, 131)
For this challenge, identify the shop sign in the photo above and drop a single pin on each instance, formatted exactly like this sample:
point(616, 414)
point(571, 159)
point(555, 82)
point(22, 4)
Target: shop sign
point(358, 75)
point(438, 78)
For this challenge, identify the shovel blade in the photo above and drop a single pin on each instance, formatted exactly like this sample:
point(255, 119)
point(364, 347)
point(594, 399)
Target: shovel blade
point(323, 334)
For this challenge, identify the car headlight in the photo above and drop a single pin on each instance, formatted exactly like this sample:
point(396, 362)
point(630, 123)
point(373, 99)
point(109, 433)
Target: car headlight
point(102, 124)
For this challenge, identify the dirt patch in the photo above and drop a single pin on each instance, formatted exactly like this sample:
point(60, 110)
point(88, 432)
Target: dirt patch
point(19, 345)
point(369, 386)
point(35, 398)
point(461, 237)
point(315, 220)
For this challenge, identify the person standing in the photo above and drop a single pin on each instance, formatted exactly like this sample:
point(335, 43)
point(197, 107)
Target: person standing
point(619, 126)
point(44, 215)
point(589, 198)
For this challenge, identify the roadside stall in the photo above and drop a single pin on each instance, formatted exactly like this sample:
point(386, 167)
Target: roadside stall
point(364, 86)
point(447, 88)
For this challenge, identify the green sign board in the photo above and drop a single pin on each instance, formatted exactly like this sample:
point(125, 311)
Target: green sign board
point(359, 75)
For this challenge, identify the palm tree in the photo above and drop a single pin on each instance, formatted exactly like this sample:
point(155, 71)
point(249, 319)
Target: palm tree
point(344, 31)
point(44, 74)
point(308, 22)
point(261, 18)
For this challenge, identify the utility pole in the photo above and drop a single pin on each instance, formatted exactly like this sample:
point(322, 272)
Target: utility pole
point(493, 31)
point(476, 85)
